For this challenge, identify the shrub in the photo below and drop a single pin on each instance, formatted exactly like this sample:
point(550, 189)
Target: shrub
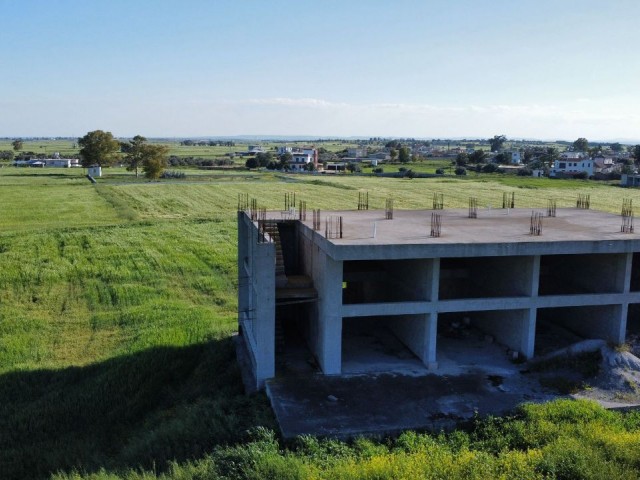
point(440, 171)
point(460, 171)
point(173, 174)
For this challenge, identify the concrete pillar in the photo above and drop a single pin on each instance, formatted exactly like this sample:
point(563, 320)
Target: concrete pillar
point(326, 328)
point(535, 275)
point(418, 333)
point(513, 328)
point(264, 293)
point(628, 265)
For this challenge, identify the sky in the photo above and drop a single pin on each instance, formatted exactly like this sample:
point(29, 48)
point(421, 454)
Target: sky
point(541, 69)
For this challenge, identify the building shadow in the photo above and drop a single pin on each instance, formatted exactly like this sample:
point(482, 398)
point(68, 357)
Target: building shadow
point(135, 411)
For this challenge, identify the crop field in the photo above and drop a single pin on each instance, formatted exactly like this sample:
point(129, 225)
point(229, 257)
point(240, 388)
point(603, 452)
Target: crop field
point(117, 307)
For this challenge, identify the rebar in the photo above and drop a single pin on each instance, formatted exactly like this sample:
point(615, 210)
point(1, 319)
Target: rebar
point(316, 219)
point(535, 227)
point(243, 202)
point(436, 224)
point(627, 216)
point(438, 201)
point(551, 207)
point(388, 209)
point(289, 200)
point(584, 201)
point(333, 227)
point(509, 200)
point(473, 207)
point(302, 211)
point(363, 200)
point(254, 209)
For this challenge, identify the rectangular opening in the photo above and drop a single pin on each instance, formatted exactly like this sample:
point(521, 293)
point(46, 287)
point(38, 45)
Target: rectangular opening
point(480, 339)
point(369, 345)
point(635, 273)
point(293, 355)
point(632, 334)
point(482, 277)
point(580, 274)
point(377, 281)
point(560, 327)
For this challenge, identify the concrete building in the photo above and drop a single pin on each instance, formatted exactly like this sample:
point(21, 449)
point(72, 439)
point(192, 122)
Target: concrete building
point(572, 163)
point(312, 285)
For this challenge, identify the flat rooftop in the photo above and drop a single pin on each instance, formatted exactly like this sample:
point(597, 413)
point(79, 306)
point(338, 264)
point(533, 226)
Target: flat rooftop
point(572, 230)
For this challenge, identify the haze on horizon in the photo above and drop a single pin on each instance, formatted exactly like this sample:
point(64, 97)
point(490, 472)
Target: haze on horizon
point(438, 69)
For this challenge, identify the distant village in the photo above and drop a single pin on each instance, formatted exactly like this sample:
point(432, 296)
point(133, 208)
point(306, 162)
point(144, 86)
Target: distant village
point(537, 159)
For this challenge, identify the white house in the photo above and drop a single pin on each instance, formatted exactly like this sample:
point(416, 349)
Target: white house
point(299, 161)
point(514, 157)
point(572, 163)
point(604, 164)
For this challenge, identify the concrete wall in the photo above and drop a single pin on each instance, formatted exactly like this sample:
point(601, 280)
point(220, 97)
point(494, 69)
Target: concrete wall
point(513, 328)
point(418, 333)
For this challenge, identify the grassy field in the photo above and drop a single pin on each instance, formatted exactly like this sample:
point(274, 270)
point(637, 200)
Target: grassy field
point(117, 306)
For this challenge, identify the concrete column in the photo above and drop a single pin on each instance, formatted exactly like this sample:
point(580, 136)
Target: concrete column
point(434, 285)
point(535, 275)
point(326, 331)
point(431, 341)
point(626, 279)
point(513, 328)
point(264, 291)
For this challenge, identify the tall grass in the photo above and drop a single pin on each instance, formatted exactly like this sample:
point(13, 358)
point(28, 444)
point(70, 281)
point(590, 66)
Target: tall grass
point(117, 303)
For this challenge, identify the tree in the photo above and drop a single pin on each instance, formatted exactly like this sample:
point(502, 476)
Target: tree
point(393, 154)
point(17, 144)
point(636, 153)
point(252, 162)
point(478, 156)
point(581, 145)
point(153, 159)
point(6, 155)
point(98, 148)
point(460, 171)
point(497, 142)
point(403, 155)
point(616, 147)
point(134, 150)
point(462, 159)
point(263, 159)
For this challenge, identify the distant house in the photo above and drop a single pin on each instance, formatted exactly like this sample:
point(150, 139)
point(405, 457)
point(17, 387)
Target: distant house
point(572, 163)
point(357, 152)
point(284, 149)
point(630, 180)
point(514, 157)
point(299, 161)
point(537, 173)
point(603, 164)
point(253, 149)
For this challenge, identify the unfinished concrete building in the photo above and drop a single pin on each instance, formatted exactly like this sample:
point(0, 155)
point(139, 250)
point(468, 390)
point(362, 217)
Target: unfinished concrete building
point(315, 286)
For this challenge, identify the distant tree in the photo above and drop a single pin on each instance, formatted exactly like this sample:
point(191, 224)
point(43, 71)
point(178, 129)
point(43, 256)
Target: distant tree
point(462, 159)
point(636, 153)
point(285, 160)
point(497, 142)
point(134, 149)
point(154, 160)
point(478, 156)
point(439, 171)
point(525, 172)
point(616, 147)
point(98, 148)
point(581, 145)
point(17, 144)
point(502, 158)
point(263, 159)
point(353, 167)
point(460, 171)
point(393, 154)
point(490, 168)
point(252, 162)
point(403, 155)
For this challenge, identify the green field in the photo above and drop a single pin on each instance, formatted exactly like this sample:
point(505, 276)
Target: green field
point(117, 306)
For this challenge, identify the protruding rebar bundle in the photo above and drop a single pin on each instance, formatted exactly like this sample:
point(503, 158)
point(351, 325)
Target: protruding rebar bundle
point(289, 200)
point(535, 227)
point(508, 200)
point(265, 229)
point(473, 207)
point(627, 216)
point(302, 209)
point(254, 209)
point(583, 201)
point(333, 227)
point(436, 224)
point(388, 209)
point(551, 207)
point(316, 219)
point(243, 202)
point(438, 201)
point(363, 200)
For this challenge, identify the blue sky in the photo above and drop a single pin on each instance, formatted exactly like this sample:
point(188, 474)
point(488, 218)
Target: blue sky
point(557, 69)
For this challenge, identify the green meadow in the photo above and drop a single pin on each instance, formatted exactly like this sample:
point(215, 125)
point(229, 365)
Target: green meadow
point(117, 310)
